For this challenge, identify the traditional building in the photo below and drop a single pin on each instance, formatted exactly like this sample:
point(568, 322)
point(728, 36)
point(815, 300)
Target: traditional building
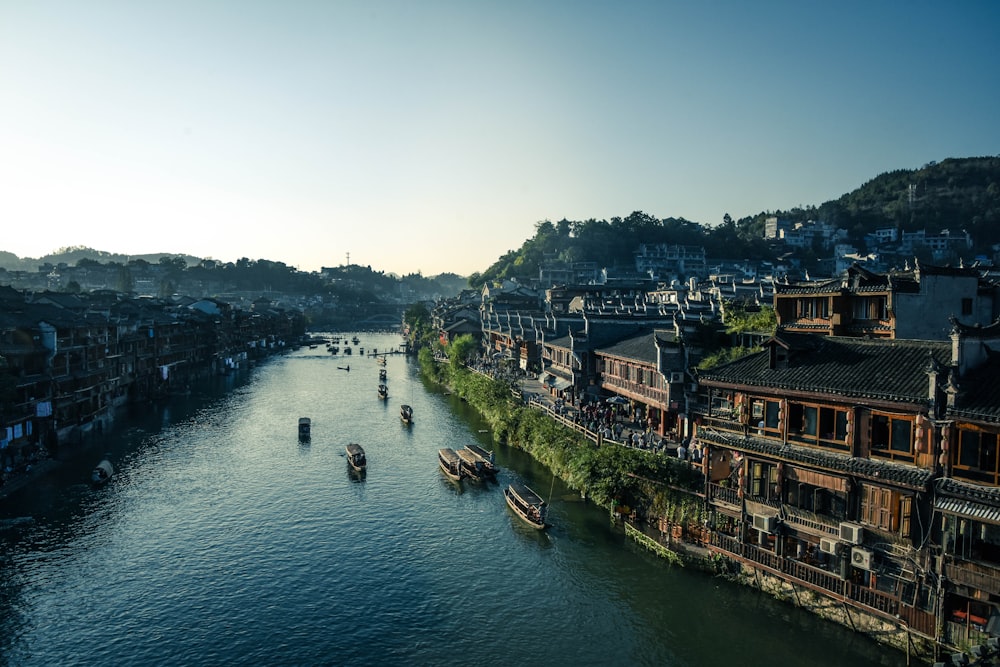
point(649, 369)
point(910, 304)
point(820, 456)
point(967, 499)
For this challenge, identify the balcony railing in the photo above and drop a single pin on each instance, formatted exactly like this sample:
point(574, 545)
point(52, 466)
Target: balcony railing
point(799, 572)
point(725, 494)
point(974, 575)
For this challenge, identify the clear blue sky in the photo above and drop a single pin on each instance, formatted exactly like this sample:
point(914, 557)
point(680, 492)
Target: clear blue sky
point(431, 136)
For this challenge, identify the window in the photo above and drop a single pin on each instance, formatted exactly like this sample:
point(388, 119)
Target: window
point(891, 437)
point(819, 425)
point(764, 480)
point(816, 499)
point(815, 308)
point(886, 509)
point(771, 410)
point(977, 456)
point(870, 308)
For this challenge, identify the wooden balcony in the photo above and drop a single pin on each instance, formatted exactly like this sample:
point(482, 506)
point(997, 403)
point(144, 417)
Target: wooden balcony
point(801, 573)
point(725, 494)
point(811, 522)
point(974, 575)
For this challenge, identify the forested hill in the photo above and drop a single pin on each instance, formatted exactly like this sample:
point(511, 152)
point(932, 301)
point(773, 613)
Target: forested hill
point(957, 193)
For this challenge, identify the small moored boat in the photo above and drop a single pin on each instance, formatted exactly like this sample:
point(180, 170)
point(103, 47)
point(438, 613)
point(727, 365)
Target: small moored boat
point(356, 457)
point(305, 427)
point(383, 391)
point(486, 457)
point(526, 504)
point(450, 464)
point(102, 472)
point(472, 465)
point(406, 414)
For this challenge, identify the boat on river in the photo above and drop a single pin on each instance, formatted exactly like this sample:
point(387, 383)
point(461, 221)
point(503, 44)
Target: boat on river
point(526, 504)
point(406, 414)
point(450, 464)
point(472, 466)
point(486, 458)
point(383, 391)
point(305, 428)
point(356, 457)
point(102, 472)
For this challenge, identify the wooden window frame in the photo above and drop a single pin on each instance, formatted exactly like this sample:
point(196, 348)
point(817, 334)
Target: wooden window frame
point(891, 451)
point(886, 509)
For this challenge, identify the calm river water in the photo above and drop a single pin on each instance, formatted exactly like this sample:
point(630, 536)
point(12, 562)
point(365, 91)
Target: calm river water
point(223, 540)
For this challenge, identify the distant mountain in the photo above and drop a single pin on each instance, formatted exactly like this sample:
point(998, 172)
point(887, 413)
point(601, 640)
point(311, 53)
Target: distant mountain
point(70, 256)
point(955, 194)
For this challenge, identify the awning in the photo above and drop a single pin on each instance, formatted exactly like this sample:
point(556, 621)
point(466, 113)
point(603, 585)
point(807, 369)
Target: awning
point(968, 509)
point(816, 478)
point(561, 384)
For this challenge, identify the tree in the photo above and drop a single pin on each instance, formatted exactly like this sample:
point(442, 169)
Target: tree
point(461, 350)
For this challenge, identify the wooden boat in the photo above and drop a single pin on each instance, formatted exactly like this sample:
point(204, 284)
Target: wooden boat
point(381, 361)
point(472, 465)
point(305, 427)
point(355, 340)
point(381, 375)
point(356, 457)
point(383, 391)
point(450, 464)
point(527, 504)
point(406, 414)
point(102, 472)
point(488, 465)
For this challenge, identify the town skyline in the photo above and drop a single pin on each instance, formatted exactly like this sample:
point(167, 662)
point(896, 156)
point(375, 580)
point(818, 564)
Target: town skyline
point(431, 139)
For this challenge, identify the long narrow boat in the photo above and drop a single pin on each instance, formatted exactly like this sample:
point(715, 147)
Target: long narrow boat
point(406, 414)
point(472, 465)
point(527, 504)
point(356, 457)
point(305, 428)
point(383, 391)
point(450, 464)
point(489, 467)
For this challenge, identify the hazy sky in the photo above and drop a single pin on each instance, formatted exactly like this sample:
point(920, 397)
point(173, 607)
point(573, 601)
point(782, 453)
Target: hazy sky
point(431, 136)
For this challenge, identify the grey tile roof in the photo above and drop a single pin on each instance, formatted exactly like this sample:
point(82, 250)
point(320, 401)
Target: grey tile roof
point(875, 369)
point(641, 347)
point(979, 393)
point(900, 474)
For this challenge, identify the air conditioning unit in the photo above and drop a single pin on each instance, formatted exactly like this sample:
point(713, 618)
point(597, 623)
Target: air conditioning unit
point(851, 533)
point(676, 378)
point(862, 558)
point(765, 522)
point(829, 545)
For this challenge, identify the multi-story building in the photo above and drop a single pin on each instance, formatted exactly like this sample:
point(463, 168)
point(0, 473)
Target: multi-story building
point(913, 303)
point(821, 455)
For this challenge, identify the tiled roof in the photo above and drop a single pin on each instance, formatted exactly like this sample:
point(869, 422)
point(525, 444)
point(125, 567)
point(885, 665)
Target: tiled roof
point(872, 469)
point(979, 393)
point(858, 368)
point(967, 490)
point(639, 348)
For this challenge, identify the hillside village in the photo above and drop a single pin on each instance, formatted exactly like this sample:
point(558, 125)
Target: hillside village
point(848, 450)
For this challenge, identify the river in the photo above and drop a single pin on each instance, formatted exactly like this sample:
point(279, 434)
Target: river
point(224, 540)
